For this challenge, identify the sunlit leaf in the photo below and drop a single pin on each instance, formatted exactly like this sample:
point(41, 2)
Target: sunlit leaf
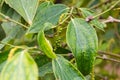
point(20, 67)
point(26, 8)
point(82, 40)
point(64, 70)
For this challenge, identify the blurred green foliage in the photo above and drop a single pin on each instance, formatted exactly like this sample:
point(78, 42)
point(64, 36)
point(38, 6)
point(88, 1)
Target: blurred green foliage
point(109, 39)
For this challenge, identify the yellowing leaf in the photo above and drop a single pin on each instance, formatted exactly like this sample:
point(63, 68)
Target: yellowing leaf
point(20, 67)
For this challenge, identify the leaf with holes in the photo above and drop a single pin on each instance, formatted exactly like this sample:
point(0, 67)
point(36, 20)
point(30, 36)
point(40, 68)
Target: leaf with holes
point(82, 40)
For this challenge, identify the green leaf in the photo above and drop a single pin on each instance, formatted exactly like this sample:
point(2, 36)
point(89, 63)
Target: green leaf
point(41, 59)
point(2, 65)
point(83, 41)
point(50, 13)
point(64, 70)
point(4, 56)
point(11, 29)
point(45, 69)
point(45, 45)
point(13, 34)
point(26, 8)
point(49, 76)
point(61, 50)
point(2, 33)
point(82, 3)
point(20, 67)
point(95, 22)
point(1, 3)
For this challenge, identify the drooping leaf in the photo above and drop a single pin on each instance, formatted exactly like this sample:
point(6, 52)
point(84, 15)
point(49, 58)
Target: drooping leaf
point(95, 22)
point(20, 67)
point(64, 70)
point(50, 13)
point(83, 41)
point(26, 8)
point(45, 45)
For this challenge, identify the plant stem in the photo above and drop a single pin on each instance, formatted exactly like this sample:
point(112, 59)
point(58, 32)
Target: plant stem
point(9, 19)
point(116, 31)
point(69, 15)
point(13, 46)
point(111, 19)
point(99, 57)
point(109, 53)
point(7, 44)
point(92, 73)
point(110, 59)
point(107, 9)
point(97, 5)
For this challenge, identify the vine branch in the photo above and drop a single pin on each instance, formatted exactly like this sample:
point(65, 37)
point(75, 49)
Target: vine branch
point(89, 18)
point(107, 9)
point(103, 53)
point(111, 19)
point(106, 58)
point(97, 5)
point(109, 53)
point(9, 19)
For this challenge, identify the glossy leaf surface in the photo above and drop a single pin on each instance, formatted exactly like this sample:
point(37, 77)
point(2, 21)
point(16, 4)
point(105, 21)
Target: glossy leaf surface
point(82, 40)
point(64, 70)
point(20, 67)
point(26, 8)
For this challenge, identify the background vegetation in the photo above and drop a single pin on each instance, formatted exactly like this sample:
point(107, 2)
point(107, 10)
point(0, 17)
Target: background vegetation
point(17, 32)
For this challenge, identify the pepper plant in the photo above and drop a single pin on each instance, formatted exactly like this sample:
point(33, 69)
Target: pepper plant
point(42, 37)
